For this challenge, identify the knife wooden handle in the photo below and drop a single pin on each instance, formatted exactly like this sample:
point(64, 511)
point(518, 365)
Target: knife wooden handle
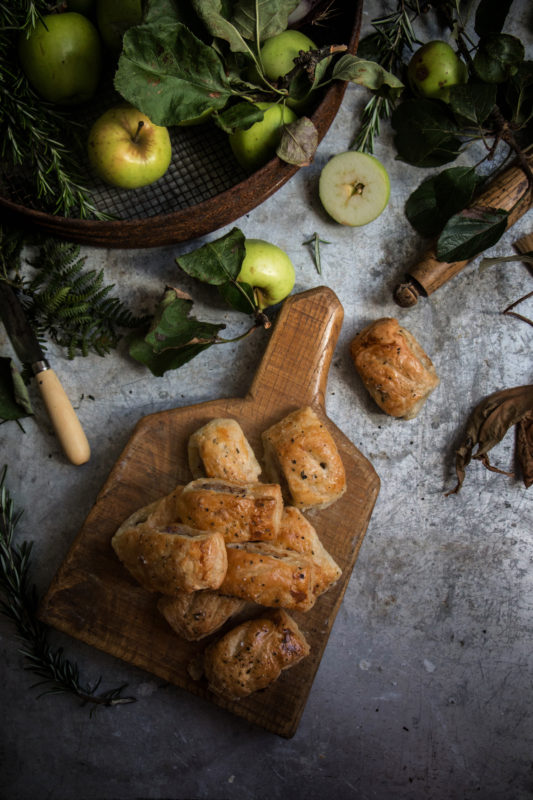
point(63, 417)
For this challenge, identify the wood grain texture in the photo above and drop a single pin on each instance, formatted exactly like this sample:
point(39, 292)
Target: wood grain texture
point(93, 598)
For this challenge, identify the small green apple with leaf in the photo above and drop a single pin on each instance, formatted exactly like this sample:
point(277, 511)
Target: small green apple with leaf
point(268, 270)
point(127, 150)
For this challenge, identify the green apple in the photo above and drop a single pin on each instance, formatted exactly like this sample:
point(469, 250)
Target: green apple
point(434, 68)
point(62, 58)
point(354, 188)
point(126, 149)
point(268, 270)
point(114, 17)
point(256, 145)
point(278, 52)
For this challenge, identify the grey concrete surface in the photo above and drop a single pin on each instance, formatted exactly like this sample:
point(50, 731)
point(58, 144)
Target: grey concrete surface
point(424, 690)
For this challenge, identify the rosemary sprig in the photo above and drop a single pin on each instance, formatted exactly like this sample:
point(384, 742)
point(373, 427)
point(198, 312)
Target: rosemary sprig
point(315, 241)
point(393, 34)
point(32, 132)
point(19, 603)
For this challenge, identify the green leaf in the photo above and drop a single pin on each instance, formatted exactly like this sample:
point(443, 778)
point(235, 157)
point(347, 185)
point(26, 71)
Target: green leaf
point(158, 364)
point(473, 101)
point(240, 116)
point(216, 262)
point(169, 74)
point(426, 136)
point(238, 25)
point(491, 15)
point(161, 11)
point(439, 197)
point(498, 57)
point(14, 398)
point(519, 94)
point(172, 327)
point(174, 337)
point(470, 233)
point(239, 296)
point(268, 17)
point(365, 73)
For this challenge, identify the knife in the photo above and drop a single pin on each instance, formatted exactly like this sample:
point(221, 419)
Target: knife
point(62, 415)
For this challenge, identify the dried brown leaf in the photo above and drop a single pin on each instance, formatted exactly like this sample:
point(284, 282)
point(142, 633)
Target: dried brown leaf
point(524, 448)
point(487, 425)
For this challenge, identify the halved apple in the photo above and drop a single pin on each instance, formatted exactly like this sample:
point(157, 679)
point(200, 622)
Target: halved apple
point(354, 188)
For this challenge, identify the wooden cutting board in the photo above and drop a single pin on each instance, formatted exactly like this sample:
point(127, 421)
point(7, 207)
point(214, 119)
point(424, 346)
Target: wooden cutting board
point(92, 596)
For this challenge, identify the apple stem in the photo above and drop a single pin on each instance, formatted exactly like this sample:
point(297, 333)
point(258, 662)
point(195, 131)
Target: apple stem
point(135, 138)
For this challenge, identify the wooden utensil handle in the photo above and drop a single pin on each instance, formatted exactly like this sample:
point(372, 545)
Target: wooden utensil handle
point(63, 417)
point(511, 192)
point(297, 359)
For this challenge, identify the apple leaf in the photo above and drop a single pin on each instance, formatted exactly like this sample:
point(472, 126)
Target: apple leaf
point(426, 135)
point(216, 262)
point(161, 11)
point(498, 57)
point(240, 116)
point(246, 21)
point(490, 16)
point(239, 296)
point(473, 102)
point(467, 234)
point(169, 74)
point(440, 196)
point(365, 73)
point(519, 93)
point(299, 141)
point(174, 337)
point(14, 398)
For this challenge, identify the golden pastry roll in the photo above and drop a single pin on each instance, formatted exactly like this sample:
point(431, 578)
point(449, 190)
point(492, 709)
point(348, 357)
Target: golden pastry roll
point(296, 533)
point(194, 615)
point(271, 576)
point(253, 654)
point(220, 449)
point(300, 454)
point(393, 367)
point(160, 512)
point(242, 512)
point(173, 558)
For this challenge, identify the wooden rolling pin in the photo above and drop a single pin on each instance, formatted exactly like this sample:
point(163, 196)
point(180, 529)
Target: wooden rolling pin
point(509, 191)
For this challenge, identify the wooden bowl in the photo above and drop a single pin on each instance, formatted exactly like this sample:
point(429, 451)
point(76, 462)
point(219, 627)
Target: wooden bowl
point(203, 190)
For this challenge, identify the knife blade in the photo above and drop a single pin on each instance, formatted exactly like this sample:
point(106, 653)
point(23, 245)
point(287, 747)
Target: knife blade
point(66, 424)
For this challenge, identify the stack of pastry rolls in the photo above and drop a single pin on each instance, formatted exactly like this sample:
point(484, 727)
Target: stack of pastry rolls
point(228, 542)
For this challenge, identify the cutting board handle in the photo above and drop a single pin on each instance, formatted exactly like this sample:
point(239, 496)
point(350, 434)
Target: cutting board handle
point(297, 359)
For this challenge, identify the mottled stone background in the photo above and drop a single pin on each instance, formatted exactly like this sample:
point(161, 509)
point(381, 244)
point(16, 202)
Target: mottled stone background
point(425, 687)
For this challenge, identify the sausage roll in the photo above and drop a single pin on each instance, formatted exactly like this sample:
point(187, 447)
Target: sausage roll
point(393, 367)
point(296, 533)
point(160, 512)
point(252, 655)
point(173, 558)
point(195, 615)
point(268, 575)
point(300, 454)
point(221, 450)
point(240, 512)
